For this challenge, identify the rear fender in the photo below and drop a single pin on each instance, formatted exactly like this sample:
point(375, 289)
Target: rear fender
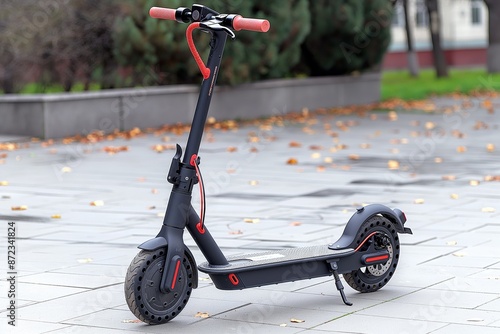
point(347, 240)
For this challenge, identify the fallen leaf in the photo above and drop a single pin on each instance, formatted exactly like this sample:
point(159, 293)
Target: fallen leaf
point(235, 232)
point(490, 148)
point(393, 164)
point(461, 149)
point(459, 254)
point(488, 209)
point(154, 191)
point(449, 177)
point(316, 155)
point(320, 169)
point(315, 147)
point(364, 145)
point(452, 243)
point(163, 147)
point(66, 170)
point(474, 183)
point(115, 149)
point(4, 183)
point(232, 149)
point(131, 321)
point(202, 315)
point(254, 150)
point(254, 182)
point(297, 321)
point(438, 160)
point(454, 196)
point(251, 220)
point(430, 125)
point(283, 325)
point(419, 201)
point(87, 260)
point(328, 160)
point(292, 161)
point(354, 157)
point(393, 116)
point(56, 216)
point(490, 178)
point(19, 208)
point(295, 223)
point(97, 203)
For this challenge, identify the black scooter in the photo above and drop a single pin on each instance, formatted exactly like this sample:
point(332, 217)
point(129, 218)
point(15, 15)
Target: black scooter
point(161, 277)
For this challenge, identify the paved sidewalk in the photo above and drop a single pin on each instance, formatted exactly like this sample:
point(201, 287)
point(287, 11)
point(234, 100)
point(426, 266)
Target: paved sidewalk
point(442, 169)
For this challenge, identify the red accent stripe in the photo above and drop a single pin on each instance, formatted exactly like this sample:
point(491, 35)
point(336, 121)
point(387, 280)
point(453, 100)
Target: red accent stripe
point(377, 258)
point(174, 280)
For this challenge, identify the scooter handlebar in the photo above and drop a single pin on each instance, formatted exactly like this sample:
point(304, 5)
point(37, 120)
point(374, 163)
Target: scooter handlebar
point(241, 23)
point(162, 13)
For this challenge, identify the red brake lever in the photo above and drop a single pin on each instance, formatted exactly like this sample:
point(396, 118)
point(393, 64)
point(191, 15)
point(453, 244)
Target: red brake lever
point(205, 71)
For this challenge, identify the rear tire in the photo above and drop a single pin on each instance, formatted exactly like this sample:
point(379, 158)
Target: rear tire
point(142, 288)
point(372, 278)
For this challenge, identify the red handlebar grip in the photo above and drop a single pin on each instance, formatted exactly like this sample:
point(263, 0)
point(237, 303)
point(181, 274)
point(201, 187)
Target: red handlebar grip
point(162, 13)
point(241, 23)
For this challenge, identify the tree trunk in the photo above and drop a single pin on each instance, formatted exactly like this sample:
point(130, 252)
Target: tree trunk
point(493, 55)
point(412, 55)
point(435, 31)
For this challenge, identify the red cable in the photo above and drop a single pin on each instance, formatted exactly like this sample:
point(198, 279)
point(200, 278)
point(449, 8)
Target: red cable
point(366, 239)
point(194, 163)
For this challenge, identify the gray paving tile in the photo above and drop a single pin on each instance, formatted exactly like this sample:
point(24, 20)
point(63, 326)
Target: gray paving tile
point(465, 329)
point(30, 327)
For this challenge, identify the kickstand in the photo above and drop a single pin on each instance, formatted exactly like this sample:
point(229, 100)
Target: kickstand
point(339, 284)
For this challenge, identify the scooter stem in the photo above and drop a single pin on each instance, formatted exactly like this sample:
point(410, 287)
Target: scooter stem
point(217, 44)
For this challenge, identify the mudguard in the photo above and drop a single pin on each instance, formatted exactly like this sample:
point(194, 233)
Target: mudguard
point(161, 242)
point(347, 240)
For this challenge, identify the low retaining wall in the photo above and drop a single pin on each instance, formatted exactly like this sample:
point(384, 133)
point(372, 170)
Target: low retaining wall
point(67, 114)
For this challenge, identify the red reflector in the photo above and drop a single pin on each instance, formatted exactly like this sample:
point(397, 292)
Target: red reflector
point(176, 273)
point(234, 279)
point(377, 258)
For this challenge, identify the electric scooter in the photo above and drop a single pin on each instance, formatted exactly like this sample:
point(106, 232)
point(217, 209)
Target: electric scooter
point(160, 279)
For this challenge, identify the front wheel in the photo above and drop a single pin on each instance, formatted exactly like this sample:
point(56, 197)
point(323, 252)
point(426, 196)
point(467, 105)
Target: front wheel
point(142, 287)
point(371, 278)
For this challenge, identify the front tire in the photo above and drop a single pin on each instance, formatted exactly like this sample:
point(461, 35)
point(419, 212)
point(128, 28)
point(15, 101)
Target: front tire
point(142, 288)
point(372, 278)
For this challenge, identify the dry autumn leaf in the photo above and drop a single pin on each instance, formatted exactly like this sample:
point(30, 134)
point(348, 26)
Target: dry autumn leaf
point(449, 177)
point(393, 164)
point(56, 216)
point(461, 149)
point(202, 315)
point(19, 208)
point(131, 321)
point(354, 157)
point(297, 321)
point(235, 232)
point(392, 115)
point(231, 149)
point(320, 169)
point(115, 149)
point(253, 182)
point(251, 220)
point(315, 147)
point(454, 196)
point(419, 201)
point(97, 203)
point(292, 161)
point(474, 183)
point(4, 183)
point(491, 178)
point(438, 160)
point(295, 223)
point(490, 148)
point(488, 209)
point(66, 169)
point(86, 260)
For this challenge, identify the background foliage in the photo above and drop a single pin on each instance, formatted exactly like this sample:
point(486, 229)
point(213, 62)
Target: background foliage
point(105, 44)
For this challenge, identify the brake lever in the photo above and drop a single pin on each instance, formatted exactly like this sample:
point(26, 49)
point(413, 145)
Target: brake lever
point(215, 26)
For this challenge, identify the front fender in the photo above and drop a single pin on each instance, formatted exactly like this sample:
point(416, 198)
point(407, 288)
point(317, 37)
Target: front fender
point(161, 242)
point(347, 240)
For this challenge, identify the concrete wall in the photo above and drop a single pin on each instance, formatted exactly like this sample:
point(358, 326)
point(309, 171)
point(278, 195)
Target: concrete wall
point(67, 114)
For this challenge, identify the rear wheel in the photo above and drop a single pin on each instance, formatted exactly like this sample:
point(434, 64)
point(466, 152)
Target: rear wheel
point(372, 278)
point(142, 287)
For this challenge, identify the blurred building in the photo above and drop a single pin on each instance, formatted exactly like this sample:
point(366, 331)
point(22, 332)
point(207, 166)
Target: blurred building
point(464, 33)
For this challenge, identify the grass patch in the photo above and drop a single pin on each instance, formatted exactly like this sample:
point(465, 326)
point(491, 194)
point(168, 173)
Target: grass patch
point(37, 88)
point(399, 84)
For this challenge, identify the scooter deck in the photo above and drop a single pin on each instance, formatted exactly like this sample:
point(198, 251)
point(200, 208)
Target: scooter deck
point(284, 265)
